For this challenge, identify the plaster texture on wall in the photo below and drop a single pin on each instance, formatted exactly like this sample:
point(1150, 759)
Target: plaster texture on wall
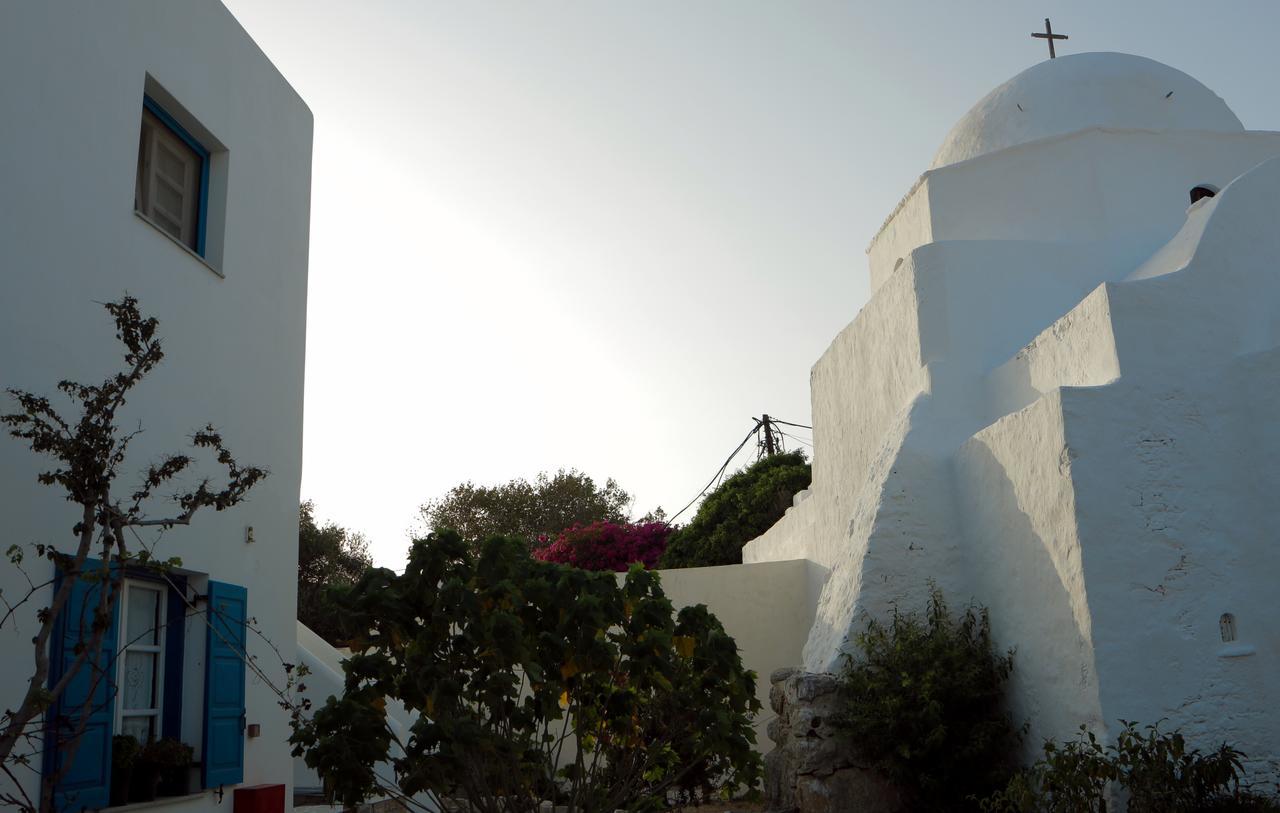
point(1076, 350)
point(1017, 515)
point(234, 344)
point(1058, 405)
point(1174, 489)
point(910, 225)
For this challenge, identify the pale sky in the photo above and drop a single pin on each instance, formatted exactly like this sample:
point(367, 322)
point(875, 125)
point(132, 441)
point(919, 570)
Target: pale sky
point(603, 235)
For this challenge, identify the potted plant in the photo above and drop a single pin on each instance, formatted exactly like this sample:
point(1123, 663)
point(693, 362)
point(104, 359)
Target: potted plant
point(124, 755)
point(164, 765)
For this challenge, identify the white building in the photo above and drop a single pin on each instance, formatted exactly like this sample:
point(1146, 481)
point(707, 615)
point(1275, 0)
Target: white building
point(150, 147)
point(1058, 403)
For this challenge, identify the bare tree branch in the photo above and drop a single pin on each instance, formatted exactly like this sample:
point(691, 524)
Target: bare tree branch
point(87, 453)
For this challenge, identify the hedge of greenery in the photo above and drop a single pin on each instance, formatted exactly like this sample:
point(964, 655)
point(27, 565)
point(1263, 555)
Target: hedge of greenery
point(744, 506)
point(506, 661)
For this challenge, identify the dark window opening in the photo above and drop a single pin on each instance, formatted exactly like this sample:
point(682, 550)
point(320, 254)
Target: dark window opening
point(1203, 191)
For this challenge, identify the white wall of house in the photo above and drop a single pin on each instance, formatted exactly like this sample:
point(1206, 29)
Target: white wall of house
point(233, 322)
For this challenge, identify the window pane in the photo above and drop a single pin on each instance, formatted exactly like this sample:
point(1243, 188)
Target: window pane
point(140, 680)
point(143, 614)
point(168, 202)
point(137, 727)
point(170, 226)
point(170, 163)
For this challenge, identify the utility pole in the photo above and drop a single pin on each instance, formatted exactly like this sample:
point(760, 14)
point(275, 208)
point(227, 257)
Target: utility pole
point(768, 445)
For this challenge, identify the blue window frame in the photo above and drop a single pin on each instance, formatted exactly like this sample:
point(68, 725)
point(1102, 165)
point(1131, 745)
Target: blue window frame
point(173, 178)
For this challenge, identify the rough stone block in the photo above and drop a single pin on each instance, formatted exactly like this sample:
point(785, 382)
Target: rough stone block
point(779, 675)
point(809, 769)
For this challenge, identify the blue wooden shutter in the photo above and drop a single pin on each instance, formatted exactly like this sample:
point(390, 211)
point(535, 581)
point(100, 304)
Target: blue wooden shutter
point(87, 781)
point(174, 653)
point(223, 756)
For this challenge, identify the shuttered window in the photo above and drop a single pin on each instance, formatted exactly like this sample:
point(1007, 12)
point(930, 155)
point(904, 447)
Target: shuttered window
point(172, 180)
point(134, 685)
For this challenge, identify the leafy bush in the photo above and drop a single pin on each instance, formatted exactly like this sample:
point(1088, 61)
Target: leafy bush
point(1158, 771)
point(744, 506)
point(924, 706)
point(504, 659)
point(124, 751)
point(607, 546)
point(167, 752)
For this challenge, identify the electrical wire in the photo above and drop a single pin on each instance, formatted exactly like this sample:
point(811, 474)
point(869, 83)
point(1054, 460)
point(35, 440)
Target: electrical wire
point(754, 430)
point(796, 439)
point(789, 423)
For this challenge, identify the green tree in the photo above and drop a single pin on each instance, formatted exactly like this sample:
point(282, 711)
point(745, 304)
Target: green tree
point(526, 510)
point(329, 556)
point(744, 506)
point(924, 706)
point(504, 662)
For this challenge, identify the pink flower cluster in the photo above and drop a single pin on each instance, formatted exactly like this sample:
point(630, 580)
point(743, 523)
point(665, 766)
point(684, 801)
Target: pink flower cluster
point(607, 546)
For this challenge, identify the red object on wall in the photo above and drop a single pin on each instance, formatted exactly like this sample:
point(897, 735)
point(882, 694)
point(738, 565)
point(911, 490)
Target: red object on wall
point(259, 799)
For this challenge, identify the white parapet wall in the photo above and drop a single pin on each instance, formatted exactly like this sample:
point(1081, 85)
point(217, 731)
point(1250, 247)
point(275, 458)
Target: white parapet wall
point(767, 607)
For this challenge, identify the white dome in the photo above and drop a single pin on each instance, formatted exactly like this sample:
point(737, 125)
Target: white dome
point(1080, 91)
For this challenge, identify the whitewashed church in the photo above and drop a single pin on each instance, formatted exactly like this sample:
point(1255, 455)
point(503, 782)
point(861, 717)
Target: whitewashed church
point(1060, 402)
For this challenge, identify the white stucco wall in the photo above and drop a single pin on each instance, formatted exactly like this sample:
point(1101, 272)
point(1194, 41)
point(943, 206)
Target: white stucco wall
point(1127, 189)
point(767, 608)
point(234, 343)
point(908, 226)
point(1174, 485)
point(1016, 505)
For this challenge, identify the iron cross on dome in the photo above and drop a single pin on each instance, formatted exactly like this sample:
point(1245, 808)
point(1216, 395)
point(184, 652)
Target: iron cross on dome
point(1050, 36)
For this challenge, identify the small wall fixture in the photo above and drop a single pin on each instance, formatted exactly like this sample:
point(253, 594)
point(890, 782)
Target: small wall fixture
point(248, 535)
point(1227, 626)
point(255, 730)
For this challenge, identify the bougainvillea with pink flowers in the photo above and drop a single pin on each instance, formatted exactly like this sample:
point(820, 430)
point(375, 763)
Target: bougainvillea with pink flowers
point(607, 545)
